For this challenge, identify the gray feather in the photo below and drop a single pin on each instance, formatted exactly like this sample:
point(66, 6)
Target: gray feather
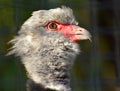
point(47, 55)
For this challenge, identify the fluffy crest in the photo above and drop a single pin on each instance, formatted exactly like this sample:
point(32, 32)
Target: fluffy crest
point(41, 17)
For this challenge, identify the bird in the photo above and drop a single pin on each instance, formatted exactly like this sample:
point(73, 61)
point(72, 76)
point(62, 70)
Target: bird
point(47, 46)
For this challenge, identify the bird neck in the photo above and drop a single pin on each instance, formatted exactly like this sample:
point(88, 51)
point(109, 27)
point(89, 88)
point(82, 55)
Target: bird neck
point(32, 86)
point(47, 61)
point(49, 67)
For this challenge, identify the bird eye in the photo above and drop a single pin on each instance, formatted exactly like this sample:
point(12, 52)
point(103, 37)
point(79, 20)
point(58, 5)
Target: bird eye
point(52, 26)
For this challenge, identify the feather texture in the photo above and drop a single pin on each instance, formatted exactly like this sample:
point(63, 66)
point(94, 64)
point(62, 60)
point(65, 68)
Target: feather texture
point(47, 56)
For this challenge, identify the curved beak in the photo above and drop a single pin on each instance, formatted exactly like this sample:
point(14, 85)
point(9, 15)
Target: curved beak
point(75, 33)
point(81, 33)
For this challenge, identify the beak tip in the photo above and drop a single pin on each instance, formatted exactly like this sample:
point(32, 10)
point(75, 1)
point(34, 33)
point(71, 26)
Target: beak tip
point(90, 39)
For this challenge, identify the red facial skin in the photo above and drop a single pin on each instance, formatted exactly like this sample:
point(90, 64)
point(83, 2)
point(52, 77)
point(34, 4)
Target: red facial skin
point(73, 32)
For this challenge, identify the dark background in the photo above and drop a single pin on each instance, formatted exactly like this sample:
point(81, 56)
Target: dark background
point(98, 66)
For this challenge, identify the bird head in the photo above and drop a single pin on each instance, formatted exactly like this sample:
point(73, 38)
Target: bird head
point(59, 20)
point(46, 45)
